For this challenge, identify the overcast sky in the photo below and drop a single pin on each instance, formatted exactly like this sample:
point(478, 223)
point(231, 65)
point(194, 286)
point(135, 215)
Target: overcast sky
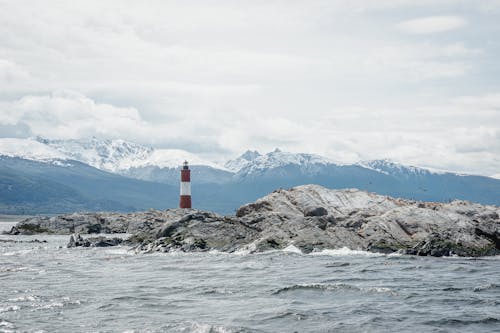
point(416, 81)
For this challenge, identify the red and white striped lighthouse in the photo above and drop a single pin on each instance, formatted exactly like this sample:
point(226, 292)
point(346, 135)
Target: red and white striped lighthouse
point(185, 201)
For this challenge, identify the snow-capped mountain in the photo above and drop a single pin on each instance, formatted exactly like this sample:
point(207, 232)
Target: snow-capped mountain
point(253, 163)
point(241, 161)
point(389, 167)
point(30, 150)
point(118, 156)
point(127, 158)
point(95, 174)
point(106, 155)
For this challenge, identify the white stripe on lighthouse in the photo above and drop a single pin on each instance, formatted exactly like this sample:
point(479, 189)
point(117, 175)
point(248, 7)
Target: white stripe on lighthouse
point(185, 188)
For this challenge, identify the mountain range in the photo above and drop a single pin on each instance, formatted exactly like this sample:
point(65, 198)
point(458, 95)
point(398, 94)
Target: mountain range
point(39, 175)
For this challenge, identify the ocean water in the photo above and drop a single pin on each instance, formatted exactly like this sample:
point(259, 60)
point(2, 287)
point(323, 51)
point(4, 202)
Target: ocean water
point(45, 287)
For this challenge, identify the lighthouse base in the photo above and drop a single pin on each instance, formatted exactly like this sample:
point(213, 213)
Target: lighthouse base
point(185, 201)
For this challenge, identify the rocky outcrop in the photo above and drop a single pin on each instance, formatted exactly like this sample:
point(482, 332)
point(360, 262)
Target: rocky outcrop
point(310, 217)
point(93, 223)
point(77, 240)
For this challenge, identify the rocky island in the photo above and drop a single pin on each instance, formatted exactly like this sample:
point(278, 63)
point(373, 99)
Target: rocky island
point(310, 218)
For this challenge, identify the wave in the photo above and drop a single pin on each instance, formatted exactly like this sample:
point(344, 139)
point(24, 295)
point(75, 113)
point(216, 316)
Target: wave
point(345, 251)
point(28, 298)
point(284, 315)
point(462, 322)
point(10, 308)
point(292, 249)
point(251, 249)
point(15, 269)
point(217, 291)
point(337, 264)
point(15, 253)
point(210, 328)
point(490, 286)
point(334, 287)
point(120, 250)
point(6, 324)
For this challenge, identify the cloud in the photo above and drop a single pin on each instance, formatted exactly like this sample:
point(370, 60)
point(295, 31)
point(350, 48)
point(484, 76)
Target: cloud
point(18, 130)
point(432, 24)
point(331, 77)
point(461, 135)
point(67, 114)
point(14, 77)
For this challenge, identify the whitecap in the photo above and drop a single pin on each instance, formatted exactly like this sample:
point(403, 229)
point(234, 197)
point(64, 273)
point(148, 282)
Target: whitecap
point(341, 287)
point(14, 253)
point(10, 308)
point(247, 249)
point(24, 299)
point(14, 269)
point(51, 306)
point(207, 328)
point(292, 249)
point(486, 287)
point(120, 251)
point(384, 290)
point(344, 251)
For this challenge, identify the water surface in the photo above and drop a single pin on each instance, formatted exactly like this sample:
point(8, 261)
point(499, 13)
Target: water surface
point(47, 287)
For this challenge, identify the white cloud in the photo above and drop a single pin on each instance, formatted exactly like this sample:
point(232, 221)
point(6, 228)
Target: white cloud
point(330, 77)
point(443, 139)
point(14, 77)
point(432, 24)
point(67, 114)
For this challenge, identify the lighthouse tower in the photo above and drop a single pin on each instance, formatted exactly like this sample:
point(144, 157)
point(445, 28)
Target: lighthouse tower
point(185, 201)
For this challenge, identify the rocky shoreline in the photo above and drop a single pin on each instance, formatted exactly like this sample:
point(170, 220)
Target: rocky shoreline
point(310, 217)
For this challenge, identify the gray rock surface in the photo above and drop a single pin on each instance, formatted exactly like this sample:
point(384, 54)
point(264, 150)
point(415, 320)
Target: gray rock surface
point(77, 240)
point(309, 217)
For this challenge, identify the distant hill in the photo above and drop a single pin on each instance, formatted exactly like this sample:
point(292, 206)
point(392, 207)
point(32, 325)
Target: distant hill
point(32, 187)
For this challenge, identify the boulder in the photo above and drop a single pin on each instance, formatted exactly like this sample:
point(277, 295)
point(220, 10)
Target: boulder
point(315, 211)
point(76, 240)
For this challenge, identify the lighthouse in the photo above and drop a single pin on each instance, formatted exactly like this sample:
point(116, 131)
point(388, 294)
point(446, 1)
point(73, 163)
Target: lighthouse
point(185, 200)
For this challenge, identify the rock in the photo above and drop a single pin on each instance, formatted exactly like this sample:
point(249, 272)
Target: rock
point(315, 211)
point(93, 223)
point(104, 242)
point(309, 217)
point(77, 240)
point(13, 231)
point(253, 207)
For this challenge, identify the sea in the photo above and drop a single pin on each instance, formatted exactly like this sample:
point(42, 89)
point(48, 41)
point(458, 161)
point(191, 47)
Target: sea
point(46, 287)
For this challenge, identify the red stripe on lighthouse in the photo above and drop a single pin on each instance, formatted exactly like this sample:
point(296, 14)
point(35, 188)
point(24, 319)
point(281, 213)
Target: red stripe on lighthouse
point(185, 201)
point(185, 175)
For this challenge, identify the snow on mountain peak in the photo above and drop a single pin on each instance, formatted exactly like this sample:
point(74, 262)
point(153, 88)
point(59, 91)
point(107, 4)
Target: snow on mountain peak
point(278, 158)
point(101, 154)
point(30, 149)
point(388, 167)
point(120, 155)
point(240, 162)
point(250, 155)
point(167, 158)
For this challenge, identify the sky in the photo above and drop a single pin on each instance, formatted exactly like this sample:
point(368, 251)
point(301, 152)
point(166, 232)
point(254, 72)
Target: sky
point(417, 82)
